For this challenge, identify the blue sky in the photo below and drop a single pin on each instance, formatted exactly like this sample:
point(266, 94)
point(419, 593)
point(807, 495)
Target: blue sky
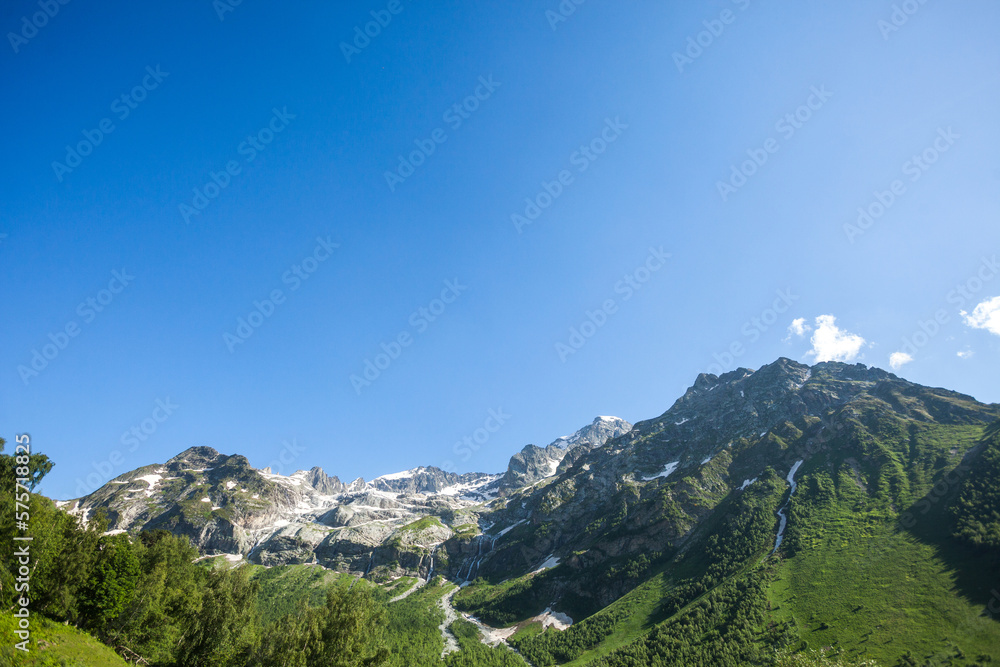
point(623, 197)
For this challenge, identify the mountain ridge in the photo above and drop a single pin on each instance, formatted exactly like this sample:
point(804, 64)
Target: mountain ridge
point(726, 477)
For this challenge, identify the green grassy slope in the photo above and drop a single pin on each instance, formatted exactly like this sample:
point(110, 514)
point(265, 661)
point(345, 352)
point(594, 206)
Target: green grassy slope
point(55, 645)
point(871, 567)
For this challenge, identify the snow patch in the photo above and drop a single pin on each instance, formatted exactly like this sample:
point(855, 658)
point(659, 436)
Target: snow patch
point(406, 474)
point(809, 374)
point(554, 619)
point(230, 484)
point(708, 460)
point(206, 499)
point(152, 480)
point(511, 527)
point(682, 421)
point(549, 563)
point(667, 469)
point(747, 482)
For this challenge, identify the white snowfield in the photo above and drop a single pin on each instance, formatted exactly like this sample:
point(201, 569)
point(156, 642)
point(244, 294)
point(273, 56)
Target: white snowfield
point(747, 482)
point(667, 470)
point(406, 474)
point(553, 619)
point(549, 563)
point(152, 480)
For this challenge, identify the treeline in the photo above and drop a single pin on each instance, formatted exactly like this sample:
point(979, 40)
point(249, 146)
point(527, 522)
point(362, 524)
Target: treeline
point(148, 595)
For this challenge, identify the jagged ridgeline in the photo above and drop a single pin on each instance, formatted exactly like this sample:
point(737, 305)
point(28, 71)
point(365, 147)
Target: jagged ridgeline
point(835, 507)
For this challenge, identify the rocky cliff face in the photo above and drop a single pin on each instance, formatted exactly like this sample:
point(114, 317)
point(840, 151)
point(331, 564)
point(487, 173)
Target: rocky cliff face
point(228, 507)
point(645, 495)
point(533, 464)
point(609, 494)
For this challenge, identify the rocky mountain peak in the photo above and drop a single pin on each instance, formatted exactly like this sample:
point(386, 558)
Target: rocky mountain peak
point(533, 464)
point(196, 458)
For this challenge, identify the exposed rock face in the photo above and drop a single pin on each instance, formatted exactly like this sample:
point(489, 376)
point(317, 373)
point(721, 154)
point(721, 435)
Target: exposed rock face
point(533, 464)
point(648, 491)
point(609, 491)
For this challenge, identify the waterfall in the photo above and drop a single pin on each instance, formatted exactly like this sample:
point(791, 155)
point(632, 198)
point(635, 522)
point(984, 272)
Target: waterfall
point(489, 550)
point(781, 511)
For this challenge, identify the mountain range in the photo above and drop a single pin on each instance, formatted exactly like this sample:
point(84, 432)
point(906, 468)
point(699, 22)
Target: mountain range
point(830, 506)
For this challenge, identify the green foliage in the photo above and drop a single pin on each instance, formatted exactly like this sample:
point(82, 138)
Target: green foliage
point(54, 645)
point(817, 659)
point(32, 467)
point(348, 631)
point(474, 653)
point(413, 635)
point(506, 603)
point(422, 524)
point(977, 509)
point(742, 534)
point(112, 583)
point(721, 629)
point(224, 629)
point(283, 587)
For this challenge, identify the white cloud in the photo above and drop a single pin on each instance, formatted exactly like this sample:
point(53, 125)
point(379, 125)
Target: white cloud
point(965, 354)
point(798, 327)
point(898, 359)
point(831, 343)
point(985, 316)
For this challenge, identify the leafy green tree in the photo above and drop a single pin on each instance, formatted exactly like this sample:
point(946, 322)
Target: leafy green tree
point(348, 631)
point(225, 629)
point(112, 584)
